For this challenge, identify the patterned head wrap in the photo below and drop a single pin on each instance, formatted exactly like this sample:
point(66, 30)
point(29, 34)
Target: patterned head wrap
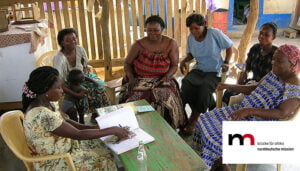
point(293, 55)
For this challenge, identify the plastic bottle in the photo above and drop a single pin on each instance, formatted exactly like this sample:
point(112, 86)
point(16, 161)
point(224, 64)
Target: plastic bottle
point(142, 157)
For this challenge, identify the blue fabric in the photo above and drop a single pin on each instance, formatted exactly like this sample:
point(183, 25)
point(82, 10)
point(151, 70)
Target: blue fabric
point(207, 53)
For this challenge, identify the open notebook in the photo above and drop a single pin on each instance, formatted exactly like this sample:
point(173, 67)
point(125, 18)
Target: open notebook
point(124, 117)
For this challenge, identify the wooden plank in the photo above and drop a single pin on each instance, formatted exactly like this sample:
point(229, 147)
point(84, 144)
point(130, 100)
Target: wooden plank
point(74, 17)
point(162, 13)
point(66, 13)
point(134, 17)
point(127, 26)
point(120, 28)
point(98, 32)
point(198, 9)
point(91, 34)
point(154, 11)
point(169, 17)
point(249, 30)
point(11, 105)
point(57, 16)
point(168, 152)
point(112, 28)
point(82, 25)
point(106, 43)
point(147, 6)
point(183, 26)
point(203, 7)
point(41, 7)
point(176, 23)
point(51, 25)
point(191, 6)
point(141, 18)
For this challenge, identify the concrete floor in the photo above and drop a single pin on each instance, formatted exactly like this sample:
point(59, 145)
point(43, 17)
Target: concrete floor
point(9, 162)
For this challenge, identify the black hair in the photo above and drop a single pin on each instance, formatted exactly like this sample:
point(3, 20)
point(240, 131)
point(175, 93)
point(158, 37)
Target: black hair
point(195, 18)
point(61, 34)
point(272, 25)
point(73, 76)
point(157, 19)
point(40, 81)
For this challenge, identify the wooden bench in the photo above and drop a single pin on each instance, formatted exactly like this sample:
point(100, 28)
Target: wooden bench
point(290, 33)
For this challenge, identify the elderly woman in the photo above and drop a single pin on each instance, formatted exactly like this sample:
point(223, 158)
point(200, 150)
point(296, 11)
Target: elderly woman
point(150, 65)
point(205, 46)
point(259, 58)
point(276, 97)
point(47, 132)
point(70, 57)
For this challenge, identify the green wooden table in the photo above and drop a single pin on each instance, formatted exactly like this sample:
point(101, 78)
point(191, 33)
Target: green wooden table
point(168, 152)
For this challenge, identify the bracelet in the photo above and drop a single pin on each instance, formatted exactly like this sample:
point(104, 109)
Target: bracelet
point(225, 62)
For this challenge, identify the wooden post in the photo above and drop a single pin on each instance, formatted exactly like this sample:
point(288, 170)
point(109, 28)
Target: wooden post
point(106, 43)
point(248, 32)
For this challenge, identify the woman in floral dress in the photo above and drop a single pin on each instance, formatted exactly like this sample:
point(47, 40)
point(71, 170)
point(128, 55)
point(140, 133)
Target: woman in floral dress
point(48, 133)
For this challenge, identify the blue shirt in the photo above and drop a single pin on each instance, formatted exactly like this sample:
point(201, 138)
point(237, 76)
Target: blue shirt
point(207, 53)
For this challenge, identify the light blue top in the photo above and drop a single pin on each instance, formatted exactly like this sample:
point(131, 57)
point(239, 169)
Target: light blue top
point(207, 53)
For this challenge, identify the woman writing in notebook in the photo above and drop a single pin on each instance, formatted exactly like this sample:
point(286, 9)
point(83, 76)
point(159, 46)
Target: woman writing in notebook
point(47, 132)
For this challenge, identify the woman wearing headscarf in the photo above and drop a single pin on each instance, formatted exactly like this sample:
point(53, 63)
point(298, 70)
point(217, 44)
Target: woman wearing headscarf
point(276, 97)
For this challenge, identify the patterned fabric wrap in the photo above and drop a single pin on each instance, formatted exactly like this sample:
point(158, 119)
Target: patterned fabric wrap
point(151, 64)
point(39, 122)
point(293, 54)
point(165, 99)
point(268, 95)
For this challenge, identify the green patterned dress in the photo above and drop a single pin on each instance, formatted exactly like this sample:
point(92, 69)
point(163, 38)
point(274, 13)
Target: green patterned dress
point(86, 154)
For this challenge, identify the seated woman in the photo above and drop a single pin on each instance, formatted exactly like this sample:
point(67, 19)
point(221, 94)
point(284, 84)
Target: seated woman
point(259, 58)
point(71, 56)
point(150, 65)
point(276, 97)
point(48, 133)
point(205, 46)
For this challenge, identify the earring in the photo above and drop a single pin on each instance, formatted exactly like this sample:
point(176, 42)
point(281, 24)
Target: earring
point(46, 95)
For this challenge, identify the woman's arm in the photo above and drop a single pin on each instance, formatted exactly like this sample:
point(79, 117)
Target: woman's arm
point(183, 66)
point(225, 66)
point(245, 89)
point(243, 77)
point(285, 109)
point(69, 131)
point(73, 93)
point(81, 126)
point(174, 57)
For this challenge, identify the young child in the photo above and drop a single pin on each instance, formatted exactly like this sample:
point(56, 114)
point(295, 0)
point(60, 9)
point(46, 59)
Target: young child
point(70, 104)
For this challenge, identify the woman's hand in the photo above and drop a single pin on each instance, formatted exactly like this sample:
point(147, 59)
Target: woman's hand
point(221, 86)
point(82, 94)
point(183, 67)
point(239, 114)
point(120, 132)
point(225, 67)
point(131, 84)
point(166, 81)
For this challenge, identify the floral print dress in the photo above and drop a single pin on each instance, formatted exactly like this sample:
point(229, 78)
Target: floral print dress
point(86, 154)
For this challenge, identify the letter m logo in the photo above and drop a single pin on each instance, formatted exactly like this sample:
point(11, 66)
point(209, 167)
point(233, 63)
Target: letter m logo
point(240, 138)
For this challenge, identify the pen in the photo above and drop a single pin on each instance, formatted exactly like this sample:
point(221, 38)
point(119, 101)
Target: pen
point(120, 126)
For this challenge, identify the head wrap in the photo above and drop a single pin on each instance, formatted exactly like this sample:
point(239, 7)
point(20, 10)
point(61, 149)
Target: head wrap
point(293, 55)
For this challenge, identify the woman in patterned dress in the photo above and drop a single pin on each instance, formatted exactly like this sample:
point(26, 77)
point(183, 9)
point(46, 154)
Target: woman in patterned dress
point(276, 97)
point(48, 133)
point(70, 57)
point(150, 66)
